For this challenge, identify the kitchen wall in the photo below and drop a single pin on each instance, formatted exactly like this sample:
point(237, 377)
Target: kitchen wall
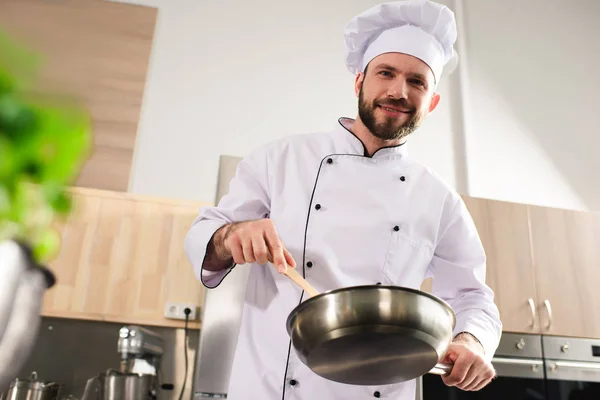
point(70, 351)
point(227, 76)
point(533, 121)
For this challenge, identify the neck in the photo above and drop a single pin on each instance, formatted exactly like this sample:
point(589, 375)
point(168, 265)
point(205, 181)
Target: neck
point(372, 143)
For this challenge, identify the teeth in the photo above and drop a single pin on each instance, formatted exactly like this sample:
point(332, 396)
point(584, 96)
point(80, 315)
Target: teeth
point(390, 109)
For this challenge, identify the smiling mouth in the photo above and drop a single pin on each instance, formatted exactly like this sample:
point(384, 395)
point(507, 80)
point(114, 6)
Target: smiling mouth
point(394, 110)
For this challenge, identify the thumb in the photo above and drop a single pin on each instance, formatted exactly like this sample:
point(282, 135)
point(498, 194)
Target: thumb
point(289, 258)
point(450, 357)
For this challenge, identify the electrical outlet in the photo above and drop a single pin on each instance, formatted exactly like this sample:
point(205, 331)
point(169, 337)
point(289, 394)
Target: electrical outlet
point(177, 311)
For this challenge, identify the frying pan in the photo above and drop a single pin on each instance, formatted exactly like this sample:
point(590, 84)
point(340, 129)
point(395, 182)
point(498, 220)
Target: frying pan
point(372, 334)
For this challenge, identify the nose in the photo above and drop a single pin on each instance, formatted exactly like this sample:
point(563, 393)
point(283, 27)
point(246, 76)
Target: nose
point(398, 89)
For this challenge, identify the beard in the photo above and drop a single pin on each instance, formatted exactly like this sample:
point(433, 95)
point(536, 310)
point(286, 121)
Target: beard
point(390, 128)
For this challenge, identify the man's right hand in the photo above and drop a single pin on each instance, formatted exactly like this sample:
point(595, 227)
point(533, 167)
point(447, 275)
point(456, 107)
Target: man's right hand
point(252, 241)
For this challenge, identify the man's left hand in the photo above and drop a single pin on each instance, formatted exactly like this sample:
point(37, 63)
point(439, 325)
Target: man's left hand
point(470, 370)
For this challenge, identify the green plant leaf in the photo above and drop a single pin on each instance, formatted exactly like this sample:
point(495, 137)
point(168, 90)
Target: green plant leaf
point(43, 146)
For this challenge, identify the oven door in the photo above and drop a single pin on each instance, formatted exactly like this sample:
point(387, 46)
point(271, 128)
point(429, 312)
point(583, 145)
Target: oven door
point(517, 379)
point(572, 380)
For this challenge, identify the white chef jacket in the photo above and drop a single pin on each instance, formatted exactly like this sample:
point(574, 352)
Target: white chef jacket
point(348, 219)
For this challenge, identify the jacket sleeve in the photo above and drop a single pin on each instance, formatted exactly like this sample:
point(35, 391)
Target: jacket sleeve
point(458, 268)
point(248, 198)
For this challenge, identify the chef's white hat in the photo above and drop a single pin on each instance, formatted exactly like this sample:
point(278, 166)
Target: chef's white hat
point(421, 28)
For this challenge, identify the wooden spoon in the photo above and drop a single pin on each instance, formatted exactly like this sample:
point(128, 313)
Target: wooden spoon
point(293, 274)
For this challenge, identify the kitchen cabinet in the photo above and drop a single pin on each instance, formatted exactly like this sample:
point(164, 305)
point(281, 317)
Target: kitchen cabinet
point(95, 53)
point(566, 259)
point(122, 259)
point(543, 265)
point(504, 231)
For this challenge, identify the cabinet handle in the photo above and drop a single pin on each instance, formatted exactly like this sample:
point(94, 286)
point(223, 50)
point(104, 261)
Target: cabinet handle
point(532, 306)
point(549, 309)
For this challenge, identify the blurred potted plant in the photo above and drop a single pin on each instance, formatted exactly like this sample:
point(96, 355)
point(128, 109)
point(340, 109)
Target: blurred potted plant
point(43, 145)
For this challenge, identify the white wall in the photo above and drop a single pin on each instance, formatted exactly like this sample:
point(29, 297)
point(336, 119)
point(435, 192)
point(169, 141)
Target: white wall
point(226, 77)
point(533, 71)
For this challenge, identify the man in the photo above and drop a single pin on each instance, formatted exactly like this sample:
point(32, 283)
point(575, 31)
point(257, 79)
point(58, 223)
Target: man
point(350, 207)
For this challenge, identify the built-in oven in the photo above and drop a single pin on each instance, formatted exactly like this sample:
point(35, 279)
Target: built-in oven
point(532, 367)
point(519, 365)
point(572, 368)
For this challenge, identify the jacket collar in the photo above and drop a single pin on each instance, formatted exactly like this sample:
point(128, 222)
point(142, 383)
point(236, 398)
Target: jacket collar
point(343, 128)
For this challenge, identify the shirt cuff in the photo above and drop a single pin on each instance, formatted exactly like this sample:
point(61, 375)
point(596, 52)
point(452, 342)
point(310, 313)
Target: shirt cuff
point(212, 279)
point(489, 338)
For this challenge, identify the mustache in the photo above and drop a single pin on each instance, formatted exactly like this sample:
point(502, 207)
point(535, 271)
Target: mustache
point(400, 103)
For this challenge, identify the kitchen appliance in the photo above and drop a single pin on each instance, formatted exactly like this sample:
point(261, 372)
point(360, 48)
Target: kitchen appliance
point(572, 368)
point(32, 389)
point(532, 367)
point(141, 351)
point(221, 315)
point(117, 385)
point(393, 334)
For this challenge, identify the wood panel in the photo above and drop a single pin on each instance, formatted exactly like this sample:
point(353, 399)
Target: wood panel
point(566, 258)
point(122, 259)
point(97, 52)
point(504, 231)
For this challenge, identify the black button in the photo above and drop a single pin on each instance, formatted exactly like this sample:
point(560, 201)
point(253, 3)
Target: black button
point(379, 283)
point(293, 382)
point(396, 228)
point(402, 178)
point(309, 264)
point(377, 394)
point(318, 206)
point(329, 161)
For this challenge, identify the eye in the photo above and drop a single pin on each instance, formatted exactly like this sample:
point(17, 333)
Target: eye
point(386, 73)
point(417, 82)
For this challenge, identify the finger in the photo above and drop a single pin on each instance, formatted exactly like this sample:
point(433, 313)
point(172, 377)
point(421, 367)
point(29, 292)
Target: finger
point(476, 370)
point(459, 370)
point(275, 248)
point(469, 379)
point(289, 258)
point(483, 383)
point(485, 380)
point(259, 247)
point(477, 384)
point(247, 250)
point(237, 253)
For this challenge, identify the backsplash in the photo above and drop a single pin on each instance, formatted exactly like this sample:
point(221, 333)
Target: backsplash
point(71, 351)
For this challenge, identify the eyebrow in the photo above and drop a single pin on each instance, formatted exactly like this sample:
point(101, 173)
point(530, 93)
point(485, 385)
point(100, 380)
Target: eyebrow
point(394, 69)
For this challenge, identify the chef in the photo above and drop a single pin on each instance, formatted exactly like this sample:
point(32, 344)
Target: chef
point(347, 207)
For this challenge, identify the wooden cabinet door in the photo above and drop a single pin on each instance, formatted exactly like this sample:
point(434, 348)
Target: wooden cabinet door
point(504, 231)
point(122, 260)
point(97, 54)
point(566, 258)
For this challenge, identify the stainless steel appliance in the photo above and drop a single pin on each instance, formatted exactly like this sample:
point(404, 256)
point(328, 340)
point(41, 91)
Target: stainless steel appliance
point(572, 368)
point(32, 389)
point(532, 367)
point(221, 316)
point(117, 385)
point(141, 351)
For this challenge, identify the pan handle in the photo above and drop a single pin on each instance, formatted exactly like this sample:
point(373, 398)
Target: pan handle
point(441, 369)
point(293, 274)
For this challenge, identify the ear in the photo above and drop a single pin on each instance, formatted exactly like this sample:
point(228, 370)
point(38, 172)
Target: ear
point(435, 100)
point(358, 81)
